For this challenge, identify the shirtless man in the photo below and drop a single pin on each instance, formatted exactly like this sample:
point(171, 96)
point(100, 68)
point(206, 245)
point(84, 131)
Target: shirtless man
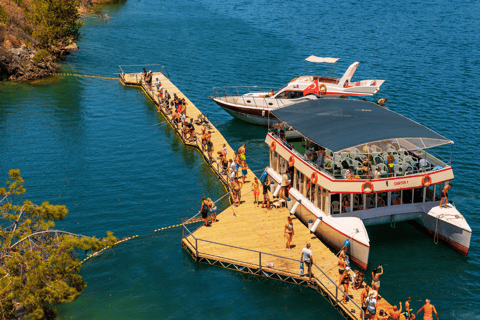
point(363, 297)
point(395, 314)
point(428, 310)
point(244, 171)
point(237, 191)
point(283, 186)
point(445, 195)
point(408, 310)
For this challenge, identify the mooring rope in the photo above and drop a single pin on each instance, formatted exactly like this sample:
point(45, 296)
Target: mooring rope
point(84, 76)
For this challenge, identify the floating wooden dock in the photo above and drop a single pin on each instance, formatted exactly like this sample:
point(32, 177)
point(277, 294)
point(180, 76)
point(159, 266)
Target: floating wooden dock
point(247, 238)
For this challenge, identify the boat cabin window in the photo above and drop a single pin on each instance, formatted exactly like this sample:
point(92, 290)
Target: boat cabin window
point(290, 95)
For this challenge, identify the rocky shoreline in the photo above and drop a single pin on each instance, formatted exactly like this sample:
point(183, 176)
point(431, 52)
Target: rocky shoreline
point(20, 57)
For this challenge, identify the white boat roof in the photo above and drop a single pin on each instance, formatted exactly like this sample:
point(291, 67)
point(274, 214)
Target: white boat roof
point(320, 59)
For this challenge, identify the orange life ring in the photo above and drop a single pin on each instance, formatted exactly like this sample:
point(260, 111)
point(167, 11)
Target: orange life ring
point(293, 79)
point(314, 178)
point(367, 187)
point(273, 146)
point(426, 181)
point(323, 89)
point(291, 161)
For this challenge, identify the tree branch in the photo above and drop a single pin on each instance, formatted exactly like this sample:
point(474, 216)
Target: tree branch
point(47, 231)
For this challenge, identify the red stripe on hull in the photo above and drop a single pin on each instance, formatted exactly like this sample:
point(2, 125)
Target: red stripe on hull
point(449, 242)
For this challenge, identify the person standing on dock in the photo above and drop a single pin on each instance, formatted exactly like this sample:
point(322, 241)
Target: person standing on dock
point(242, 154)
point(167, 97)
point(288, 232)
point(395, 314)
point(265, 194)
point(204, 210)
point(408, 309)
point(363, 297)
point(256, 190)
point(445, 195)
point(307, 258)
point(244, 171)
point(376, 277)
point(233, 170)
point(283, 186)
point(428, 310)
point(341, 268)
point(237, 191)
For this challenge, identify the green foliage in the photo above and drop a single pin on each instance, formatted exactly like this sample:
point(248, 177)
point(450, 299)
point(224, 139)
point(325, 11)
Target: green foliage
point(38, 268)
point(56, 21)
point(41, 55)
point(3, 15)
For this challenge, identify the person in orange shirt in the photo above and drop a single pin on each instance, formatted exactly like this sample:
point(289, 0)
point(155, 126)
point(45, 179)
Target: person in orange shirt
point(428, 310)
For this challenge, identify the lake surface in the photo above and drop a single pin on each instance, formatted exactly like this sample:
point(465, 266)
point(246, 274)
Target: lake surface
point(94, 145)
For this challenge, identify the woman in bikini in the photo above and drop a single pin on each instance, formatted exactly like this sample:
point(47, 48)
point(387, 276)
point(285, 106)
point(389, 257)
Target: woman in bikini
point(345, 281)
point(204, 210)
point(288, 232)
point(255, 189)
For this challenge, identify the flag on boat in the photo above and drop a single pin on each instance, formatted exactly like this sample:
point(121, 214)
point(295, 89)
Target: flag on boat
point(313, 88)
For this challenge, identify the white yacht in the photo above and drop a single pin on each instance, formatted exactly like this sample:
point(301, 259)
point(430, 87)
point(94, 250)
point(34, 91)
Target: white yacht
point(342, 202)
point(253, 104)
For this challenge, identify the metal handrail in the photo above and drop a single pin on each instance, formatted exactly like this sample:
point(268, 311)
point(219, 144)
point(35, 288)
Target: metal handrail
point(337, 288)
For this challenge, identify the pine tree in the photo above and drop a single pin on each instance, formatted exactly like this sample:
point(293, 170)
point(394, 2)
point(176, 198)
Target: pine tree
point(38, 264)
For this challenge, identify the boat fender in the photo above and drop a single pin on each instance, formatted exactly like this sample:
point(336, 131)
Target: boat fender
point(314, 178)
point(289, 204)
point(346, 244)
point(315, 225)
point(275, 194)
point(272, 187)
point(273, 146)
point(310, 224)
point(323, 89)
point(295, 206)
point(291, 161)
point(426, 181)
point(263, 177)
point(367, 187)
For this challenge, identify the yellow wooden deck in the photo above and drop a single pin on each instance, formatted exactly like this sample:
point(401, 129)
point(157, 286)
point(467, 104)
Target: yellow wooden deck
point(249, 227)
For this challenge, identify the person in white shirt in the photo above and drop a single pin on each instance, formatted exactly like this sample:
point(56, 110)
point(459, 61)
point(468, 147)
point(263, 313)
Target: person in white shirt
point(284, 186)
point(307, 258)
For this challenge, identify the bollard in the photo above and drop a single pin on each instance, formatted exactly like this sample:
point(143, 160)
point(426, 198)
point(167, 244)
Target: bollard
point(315, 225)
point(295, 206)
point(275, 194)
point(289, 204)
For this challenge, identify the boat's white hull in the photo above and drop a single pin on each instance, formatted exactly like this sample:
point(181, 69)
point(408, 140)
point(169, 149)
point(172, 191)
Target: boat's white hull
point(446, 224)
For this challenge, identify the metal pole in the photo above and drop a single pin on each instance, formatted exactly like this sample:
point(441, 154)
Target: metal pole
point(196, 249)
point(260, 262)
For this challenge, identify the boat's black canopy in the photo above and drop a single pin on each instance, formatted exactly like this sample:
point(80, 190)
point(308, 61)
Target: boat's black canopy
point(340, 124)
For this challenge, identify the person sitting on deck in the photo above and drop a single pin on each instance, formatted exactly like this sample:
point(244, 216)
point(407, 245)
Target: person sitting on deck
point(191, 130)
point(381, 102)
point(350, 175)
point(377, 173)
point(390, 164)
point(167, 97)
point(380, 202)
point(366, 168)
point(144, 73)
point(345, 205)
point(271, 93)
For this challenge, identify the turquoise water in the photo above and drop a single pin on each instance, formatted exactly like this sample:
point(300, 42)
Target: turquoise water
point(94, 146)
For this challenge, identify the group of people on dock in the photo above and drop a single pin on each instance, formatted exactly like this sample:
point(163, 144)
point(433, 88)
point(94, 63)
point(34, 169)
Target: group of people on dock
point(208, 206)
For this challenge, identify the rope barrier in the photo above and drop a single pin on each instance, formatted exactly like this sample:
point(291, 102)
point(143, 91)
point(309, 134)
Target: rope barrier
point(133, 237)
point(84, 76)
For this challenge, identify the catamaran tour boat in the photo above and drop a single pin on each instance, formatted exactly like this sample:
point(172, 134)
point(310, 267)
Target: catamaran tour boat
point(342, 202)
point(253, 104)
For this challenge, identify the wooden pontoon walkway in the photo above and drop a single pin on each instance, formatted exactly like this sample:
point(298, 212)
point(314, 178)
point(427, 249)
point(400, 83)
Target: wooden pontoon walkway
point(247, 238)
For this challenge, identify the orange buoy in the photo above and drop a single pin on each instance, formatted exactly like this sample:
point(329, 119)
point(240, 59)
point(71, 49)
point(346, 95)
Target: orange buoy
point(291, 161)
point(426, 181)
point(323, 89)
point(314, 178)
point(367, 187)
point(273, 146)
